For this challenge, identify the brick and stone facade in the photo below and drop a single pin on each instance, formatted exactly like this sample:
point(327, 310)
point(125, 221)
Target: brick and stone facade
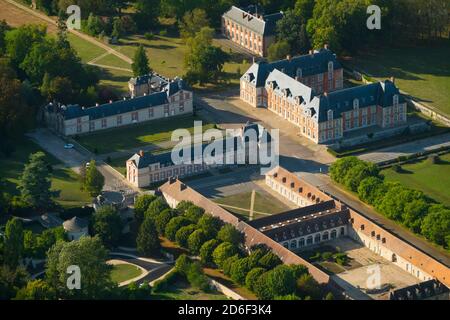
point(249, 29)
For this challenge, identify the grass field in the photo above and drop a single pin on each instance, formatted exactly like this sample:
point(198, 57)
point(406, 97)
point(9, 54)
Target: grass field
point(432, 179)
point(183, 291)
point(422, 71)
point(263, 203)
point(121, 139)
point(124, 272)
point(86, 50)
point(62, 179)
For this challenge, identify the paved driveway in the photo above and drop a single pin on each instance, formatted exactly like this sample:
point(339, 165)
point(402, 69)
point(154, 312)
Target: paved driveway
point(406, 149)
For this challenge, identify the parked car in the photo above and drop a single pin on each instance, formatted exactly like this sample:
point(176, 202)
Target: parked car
point(68, 146)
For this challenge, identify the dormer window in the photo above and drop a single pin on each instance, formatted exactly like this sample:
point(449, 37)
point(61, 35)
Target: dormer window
point(355, 104)
point(330, 115)
point(299, 72)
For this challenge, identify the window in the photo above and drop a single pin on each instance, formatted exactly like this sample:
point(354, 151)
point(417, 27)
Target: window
point(330, 115)
point(78, 127)
point(119, 120)
point(134, 116)
point(150, 113)
point(330, 70)
point(395, 100)
point(103, 123)
point(355, 104)
point(92, 125)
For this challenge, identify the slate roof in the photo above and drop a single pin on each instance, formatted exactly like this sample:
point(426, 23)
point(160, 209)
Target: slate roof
point(419, 291)
point(125, 105)
point(228, 144)
point(293, 88)
point(265, 26)
point(116, 107)
point(75, 224)
point(311, 64)
point(380, 93)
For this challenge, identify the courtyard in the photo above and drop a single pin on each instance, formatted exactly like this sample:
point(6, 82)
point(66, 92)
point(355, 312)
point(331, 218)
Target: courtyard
point(359, 280)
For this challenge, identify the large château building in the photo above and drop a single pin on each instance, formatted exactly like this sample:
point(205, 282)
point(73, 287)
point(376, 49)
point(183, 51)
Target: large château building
point(250, 29)
point(308, 92)
point(161, 98)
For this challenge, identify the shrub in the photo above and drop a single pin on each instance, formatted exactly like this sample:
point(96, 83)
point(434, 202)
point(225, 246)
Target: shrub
point(223, 252)
point(182, 235)
point(252, 277)
point(167, 282)
point(207, 250)
point(149, 36)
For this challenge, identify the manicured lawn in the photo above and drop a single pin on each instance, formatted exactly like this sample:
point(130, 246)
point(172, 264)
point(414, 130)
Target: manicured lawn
point(166, 55)
point(263, 203)
point(422, 71)
point(116, 80)
point(121, 139)
point(124, 272)
point(86, 50)
point(70, 195)
point(112, 60)
point(62, 179)
point(183, 291)
point(432, 179)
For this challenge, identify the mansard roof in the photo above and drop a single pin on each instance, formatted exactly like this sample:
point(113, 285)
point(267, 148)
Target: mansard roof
point(380, 94)
point(310, 64)
point(292, 87)
point(261, 24)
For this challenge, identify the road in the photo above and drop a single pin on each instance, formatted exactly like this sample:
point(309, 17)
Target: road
point(77, 157)
point(407, 149)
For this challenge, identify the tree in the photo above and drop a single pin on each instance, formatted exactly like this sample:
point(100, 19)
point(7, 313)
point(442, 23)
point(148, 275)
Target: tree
point(222, 252)
point(207, 250)
point(162, 219)
point(194, 213)
point(141, 205)
point(34, 183)
point(196, 277)
point(371, 190)
point(11, 280)
point(292, 29)
point(277, 282)
point(147, 239)
point(118, 29)
point(228, 263)
point(192, 22)
point(240, 269)
point(57, 89)
point(229, 233)
point(252, 277)
point(174, 225)
point(3, 28)
point(183, 206)
point(359, 172)
point(196, 240)
point(94, 180)
point(156, 207)
point(36, 290)
point(13, 243)
point(211, 225)
point(15, 114)
point(94, 25)
point(147, 12)
point(307, 286)
point(90, 256)
point(340, 168)
point(107, 224)
point(269, 261)
point(140, 65)
point(287, 297)
point(278, 50)
point(21, 40)
point(203, 61)
point(414, 213)
point(436, 225)
point(182, 235)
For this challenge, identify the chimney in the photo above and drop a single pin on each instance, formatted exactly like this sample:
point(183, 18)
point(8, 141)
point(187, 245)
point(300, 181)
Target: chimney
point(288, 57)
point(393, 80)
point(310, 52)
point(96, 104)
point(141, 153)
point(325, 94)
point(325, 46)
point(110, 101)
